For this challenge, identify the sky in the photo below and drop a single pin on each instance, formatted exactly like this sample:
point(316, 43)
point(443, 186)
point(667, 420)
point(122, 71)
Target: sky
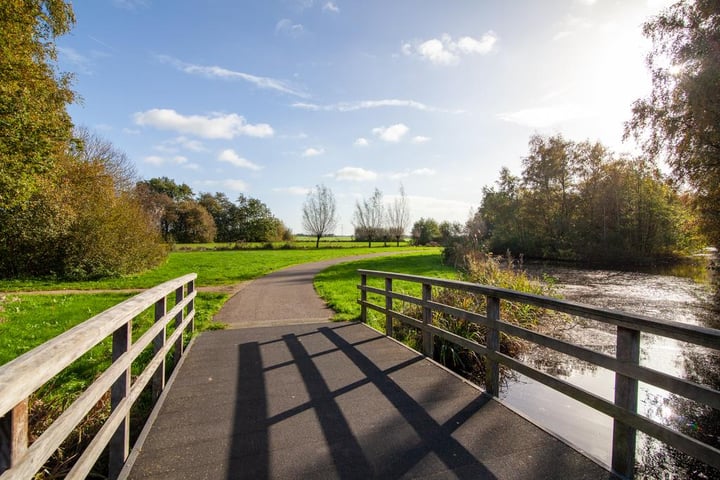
point(271, 98)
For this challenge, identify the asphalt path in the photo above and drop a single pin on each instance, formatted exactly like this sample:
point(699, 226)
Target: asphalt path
point(283, 297)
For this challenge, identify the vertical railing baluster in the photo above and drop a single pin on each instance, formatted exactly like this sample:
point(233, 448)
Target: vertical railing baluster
point(492, 342)
point(191, 305)
point(626, 396)
point(179, 344)
point(388, 307)
point(119, 446)
point(158, 382)
point(13, 435)
point(427, 336)
point(363, 298)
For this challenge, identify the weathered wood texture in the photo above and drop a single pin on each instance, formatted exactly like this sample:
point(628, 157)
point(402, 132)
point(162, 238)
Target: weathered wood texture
point(626, 364)
point(21, 377)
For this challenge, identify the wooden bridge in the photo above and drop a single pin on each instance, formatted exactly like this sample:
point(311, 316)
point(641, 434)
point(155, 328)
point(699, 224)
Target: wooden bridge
point(330, 400)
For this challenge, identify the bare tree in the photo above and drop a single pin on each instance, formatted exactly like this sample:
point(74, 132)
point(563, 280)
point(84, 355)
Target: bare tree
point(398, 216)
point(319, 217)
point(92, 148)
point(369, 217)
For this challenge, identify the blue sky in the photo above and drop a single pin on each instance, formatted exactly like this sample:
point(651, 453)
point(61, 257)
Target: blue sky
point(269, 98)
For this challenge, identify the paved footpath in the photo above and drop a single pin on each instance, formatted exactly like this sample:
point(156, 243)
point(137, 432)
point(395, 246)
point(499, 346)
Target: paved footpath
point(308, 399)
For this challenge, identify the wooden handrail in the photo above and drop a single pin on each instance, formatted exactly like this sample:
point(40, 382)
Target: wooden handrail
point(625, 364)
point(21, 377)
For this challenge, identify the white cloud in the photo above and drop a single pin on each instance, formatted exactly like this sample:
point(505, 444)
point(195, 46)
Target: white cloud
point(361, 142)
point(287, 27)
point(393, 133)
point(446, 51)
point(435, 51)
point(131, 131)
point(368, 104)
point(331, 7)
point(158, 160)
point(231, 157)
point(293, 190)
point(313, 152)
point(420, 139)
point(356, 174)
point(212, 71)
point(544, 117)
point(469, 45)
point(216, 125)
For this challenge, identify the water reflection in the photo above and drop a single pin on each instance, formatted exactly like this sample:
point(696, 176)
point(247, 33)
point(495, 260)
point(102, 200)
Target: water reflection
point(681, 293)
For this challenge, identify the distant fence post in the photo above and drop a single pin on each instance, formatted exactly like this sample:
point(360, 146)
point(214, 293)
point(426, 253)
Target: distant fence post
point(427, 335)
point(388, 307)
point(626, 396)
point(363, 298)
point(119, 446)
point(492, 342)
point(13, 435)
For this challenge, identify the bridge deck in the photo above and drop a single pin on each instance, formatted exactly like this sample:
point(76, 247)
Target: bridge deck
point(334, 400)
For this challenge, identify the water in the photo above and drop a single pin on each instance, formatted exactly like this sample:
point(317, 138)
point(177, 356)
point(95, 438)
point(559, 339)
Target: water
point(683, 294)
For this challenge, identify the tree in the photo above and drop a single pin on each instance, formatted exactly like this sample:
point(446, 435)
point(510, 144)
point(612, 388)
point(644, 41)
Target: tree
point(318, 213)
point(425, 231)
point(369, 217)
point(167, 186)
point(398, 216)
point(193, 223)
point(254, 222)
point(681, 117)
point(35, 128)
point(223, 211)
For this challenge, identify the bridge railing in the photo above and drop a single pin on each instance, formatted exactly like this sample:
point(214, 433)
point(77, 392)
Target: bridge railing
point(21, 377)
point(626, 365)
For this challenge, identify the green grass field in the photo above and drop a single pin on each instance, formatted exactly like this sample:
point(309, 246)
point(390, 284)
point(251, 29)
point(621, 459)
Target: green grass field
point(213, 268)
point(337, 285)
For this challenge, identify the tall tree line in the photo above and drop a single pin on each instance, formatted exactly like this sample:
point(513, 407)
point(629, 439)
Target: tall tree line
point(579, 201)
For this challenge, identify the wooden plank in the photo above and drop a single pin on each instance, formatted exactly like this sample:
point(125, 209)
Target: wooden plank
point(13, 436)
point(388, 306)
point(52, 438)
point(158, 384)
point(492, 341)
point(703, 336)
point(427, 337)
point(93, 451)
point(363, 299)
point(626, 396)
point(119, 447)
point(179, 344)
point(35, 369)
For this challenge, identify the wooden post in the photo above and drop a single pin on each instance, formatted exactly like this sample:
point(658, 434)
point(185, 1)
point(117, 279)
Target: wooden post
point(626, 396)
point(427, 337)
point(363, 298)
point(492, 342)
point(179, 344)
point(158, 383)
point(191, 305)
point(13, 435)
point(119, 446)
point(388, 307)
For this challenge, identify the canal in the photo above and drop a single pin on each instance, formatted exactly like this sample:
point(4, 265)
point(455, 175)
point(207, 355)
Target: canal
point(686, 293)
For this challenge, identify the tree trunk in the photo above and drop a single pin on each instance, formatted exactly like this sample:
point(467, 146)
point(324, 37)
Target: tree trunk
point(317, 242)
